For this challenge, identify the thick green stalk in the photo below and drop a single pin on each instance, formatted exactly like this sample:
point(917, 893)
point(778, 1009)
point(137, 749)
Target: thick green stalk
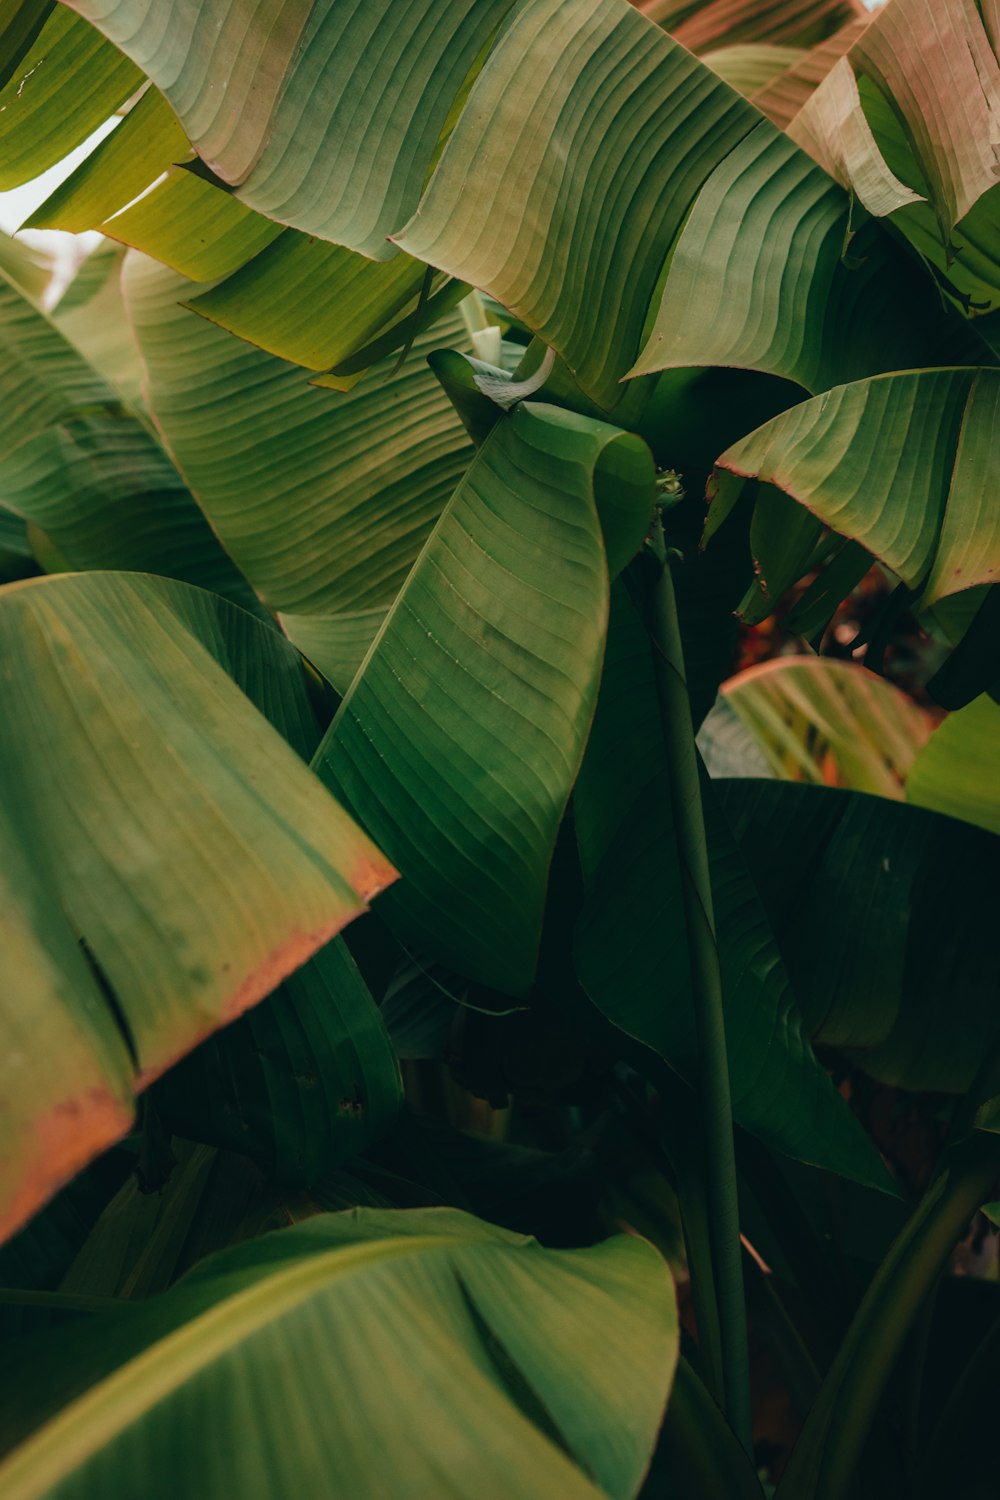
point(659, 609)
point(826, 1457)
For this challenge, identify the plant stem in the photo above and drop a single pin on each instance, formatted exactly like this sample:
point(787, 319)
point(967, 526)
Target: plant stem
point(659, 608)
point(824, 1463)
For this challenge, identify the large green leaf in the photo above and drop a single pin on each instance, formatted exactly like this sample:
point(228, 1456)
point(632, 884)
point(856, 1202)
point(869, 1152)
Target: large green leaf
point(956, 772)
point(154, 823)
point(883, 913)
point(328, 121)
point(79, 464)
point(830, 722)
point(366, 1354)
point(460, 738)
point(759, 279)
point(67, 84)
point(323, 499)
point(305, 300)
point(631, 945)
point(906, 464)
point(192, 226)
point(635, 124)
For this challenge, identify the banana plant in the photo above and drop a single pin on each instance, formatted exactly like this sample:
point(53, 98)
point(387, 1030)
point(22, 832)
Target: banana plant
point(442, 1052)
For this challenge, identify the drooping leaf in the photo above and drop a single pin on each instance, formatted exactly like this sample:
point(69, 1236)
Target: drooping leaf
point(444, 1355)
point(141, 147)
point(896, 900)
point(782, 99)
point(936, 60)
point(323, 499)
point(830, 722)
point(759, 279)
point(631, 946)
point(590, 85)
point(903, 463)
point(180, 844)
point(77, 463)
point(192, 226)
point(835, 132)
point(475, 701)
point(314, 303)
point(958, 771)
point(68, 83)
point(328, 121)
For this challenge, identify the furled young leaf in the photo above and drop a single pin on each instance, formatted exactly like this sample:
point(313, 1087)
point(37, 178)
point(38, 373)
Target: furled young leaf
point(830, 722)
point(904, 463)
point(81, 466)
point(180, 840)
point(631, 945)
point(431, 1353)
point(958, 770)
point(897, 902)
point(67, 84)
point(323, 499)
point(459, 740)
point(328, 121)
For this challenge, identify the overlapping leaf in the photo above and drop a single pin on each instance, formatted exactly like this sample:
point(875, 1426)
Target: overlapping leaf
point(77, 463)
point(635, 126)
point(329, 120)
point(905, 464)
point(323, 499)
point(759, 279)
point(151, 815)
point(459, 740)
point(363, 1354)
point(68, 83)
point(958, 770)
point(300, 1083)
point(830, 722)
